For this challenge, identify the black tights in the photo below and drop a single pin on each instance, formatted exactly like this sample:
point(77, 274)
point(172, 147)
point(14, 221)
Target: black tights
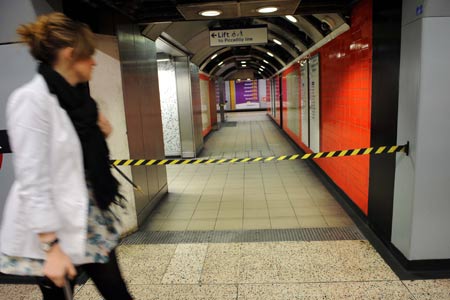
point(107, 279)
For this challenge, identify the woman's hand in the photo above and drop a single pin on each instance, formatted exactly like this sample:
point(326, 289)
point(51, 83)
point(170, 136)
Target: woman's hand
point(104, 124)
point(58, 266)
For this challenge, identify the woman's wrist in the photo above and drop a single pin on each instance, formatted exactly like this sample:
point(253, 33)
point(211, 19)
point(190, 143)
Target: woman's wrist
point(47, 237)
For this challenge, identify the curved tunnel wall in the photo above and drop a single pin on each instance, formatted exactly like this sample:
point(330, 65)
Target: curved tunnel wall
point(345, 91)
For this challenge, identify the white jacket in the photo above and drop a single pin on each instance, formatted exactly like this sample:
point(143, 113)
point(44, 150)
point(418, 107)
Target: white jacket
point(49, 193)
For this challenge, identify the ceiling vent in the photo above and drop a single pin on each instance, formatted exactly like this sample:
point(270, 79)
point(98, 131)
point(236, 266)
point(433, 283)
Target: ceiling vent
point(238, 9)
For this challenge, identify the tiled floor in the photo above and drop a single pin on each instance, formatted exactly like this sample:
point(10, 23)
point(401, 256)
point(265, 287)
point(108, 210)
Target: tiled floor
point(250, 196)
point(264, 271)
point(244, 196)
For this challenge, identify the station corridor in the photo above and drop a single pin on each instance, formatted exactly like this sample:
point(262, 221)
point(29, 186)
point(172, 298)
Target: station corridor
point(241, 221)
point(246, 196)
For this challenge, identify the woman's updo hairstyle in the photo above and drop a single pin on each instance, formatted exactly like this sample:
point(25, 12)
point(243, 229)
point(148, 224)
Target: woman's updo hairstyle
point(54, 32)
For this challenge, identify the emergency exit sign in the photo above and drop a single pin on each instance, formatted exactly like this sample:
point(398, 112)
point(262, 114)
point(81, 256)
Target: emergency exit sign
point(234, 37)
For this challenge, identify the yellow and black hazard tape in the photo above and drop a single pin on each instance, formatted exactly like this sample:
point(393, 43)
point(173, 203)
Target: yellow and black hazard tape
point(340, 153)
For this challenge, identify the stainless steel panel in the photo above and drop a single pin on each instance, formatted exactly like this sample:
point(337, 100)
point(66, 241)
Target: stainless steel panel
point(143, 113)
point(185, 109)
point(196, 108)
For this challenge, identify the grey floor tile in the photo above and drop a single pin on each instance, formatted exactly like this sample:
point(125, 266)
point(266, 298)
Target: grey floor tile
point(205, 214)
point(186, 264)
point(338, 221)
point(174, 225)
point(20, 292)
point(202, 224)
point(332, 291)
point(429, 289)
point(312, 221)
point(281, 212)
point(232, 203)
point(256, 223)
point(307, 211)
point(230, 213)
point(256, 213)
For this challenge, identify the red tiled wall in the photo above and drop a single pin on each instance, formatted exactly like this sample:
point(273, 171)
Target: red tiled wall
point(345, 95)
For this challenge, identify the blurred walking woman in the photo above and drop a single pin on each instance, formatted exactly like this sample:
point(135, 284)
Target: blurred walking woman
point(57, 215)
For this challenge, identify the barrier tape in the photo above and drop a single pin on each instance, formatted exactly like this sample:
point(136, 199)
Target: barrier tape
point(340, 153)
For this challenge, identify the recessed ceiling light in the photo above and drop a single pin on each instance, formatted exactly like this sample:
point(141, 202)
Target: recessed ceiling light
point(243, 62)
point(292, 19)
point(270, 54)
point(244, 66)
point(210, 13)
point(214, 56)
point(267, 9)
point(265, 61)
point(221, 63)
point(277, 42)
point(248, 79)
point(262, 67)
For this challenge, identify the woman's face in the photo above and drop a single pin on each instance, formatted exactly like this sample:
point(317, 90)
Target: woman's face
point(83, 68)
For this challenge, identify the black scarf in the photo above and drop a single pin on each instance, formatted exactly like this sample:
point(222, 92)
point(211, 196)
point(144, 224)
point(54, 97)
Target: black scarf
point(83, 113)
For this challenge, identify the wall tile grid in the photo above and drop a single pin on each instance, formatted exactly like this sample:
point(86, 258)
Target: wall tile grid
point(345, 88)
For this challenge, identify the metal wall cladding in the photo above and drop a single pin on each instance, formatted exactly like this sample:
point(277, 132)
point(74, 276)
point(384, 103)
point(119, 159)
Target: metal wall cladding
point(196, 107)
point(185, 107)
point(189, 106)
point(143, 114)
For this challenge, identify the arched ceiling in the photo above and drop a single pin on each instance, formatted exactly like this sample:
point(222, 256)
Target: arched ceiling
point(167, 19)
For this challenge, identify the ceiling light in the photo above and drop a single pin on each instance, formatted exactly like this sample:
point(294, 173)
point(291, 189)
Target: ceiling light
point(262, 67)
point(267, 9)
point(248, 79)
point(243, 62)
point(210, 13)
point(244, 66)
point(277, 42)
point(221, 63)
point(292, 19)
point(270, 54)
point(265, 61)
point(214, 56)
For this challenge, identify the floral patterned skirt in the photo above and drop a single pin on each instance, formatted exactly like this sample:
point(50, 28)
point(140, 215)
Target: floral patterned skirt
point(102, 237)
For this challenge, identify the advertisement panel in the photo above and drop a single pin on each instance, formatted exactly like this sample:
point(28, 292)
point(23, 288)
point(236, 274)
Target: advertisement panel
point(314, 103)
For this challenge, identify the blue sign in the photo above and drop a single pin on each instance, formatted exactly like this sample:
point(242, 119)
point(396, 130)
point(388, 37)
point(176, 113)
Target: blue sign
point(419, 10)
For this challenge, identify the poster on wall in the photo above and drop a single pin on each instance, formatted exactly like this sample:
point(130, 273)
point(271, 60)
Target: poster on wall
point(304, 105)
point(314, 104)
point(247, 94)
point(293, 105)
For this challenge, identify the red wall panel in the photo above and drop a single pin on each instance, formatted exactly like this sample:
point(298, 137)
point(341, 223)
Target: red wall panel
point(345, 91)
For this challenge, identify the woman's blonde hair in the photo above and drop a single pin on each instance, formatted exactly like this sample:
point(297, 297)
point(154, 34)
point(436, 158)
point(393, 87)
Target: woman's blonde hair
point(53, 32)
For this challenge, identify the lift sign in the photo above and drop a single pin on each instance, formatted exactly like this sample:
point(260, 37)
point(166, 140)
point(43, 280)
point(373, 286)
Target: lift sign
point(233, 37)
